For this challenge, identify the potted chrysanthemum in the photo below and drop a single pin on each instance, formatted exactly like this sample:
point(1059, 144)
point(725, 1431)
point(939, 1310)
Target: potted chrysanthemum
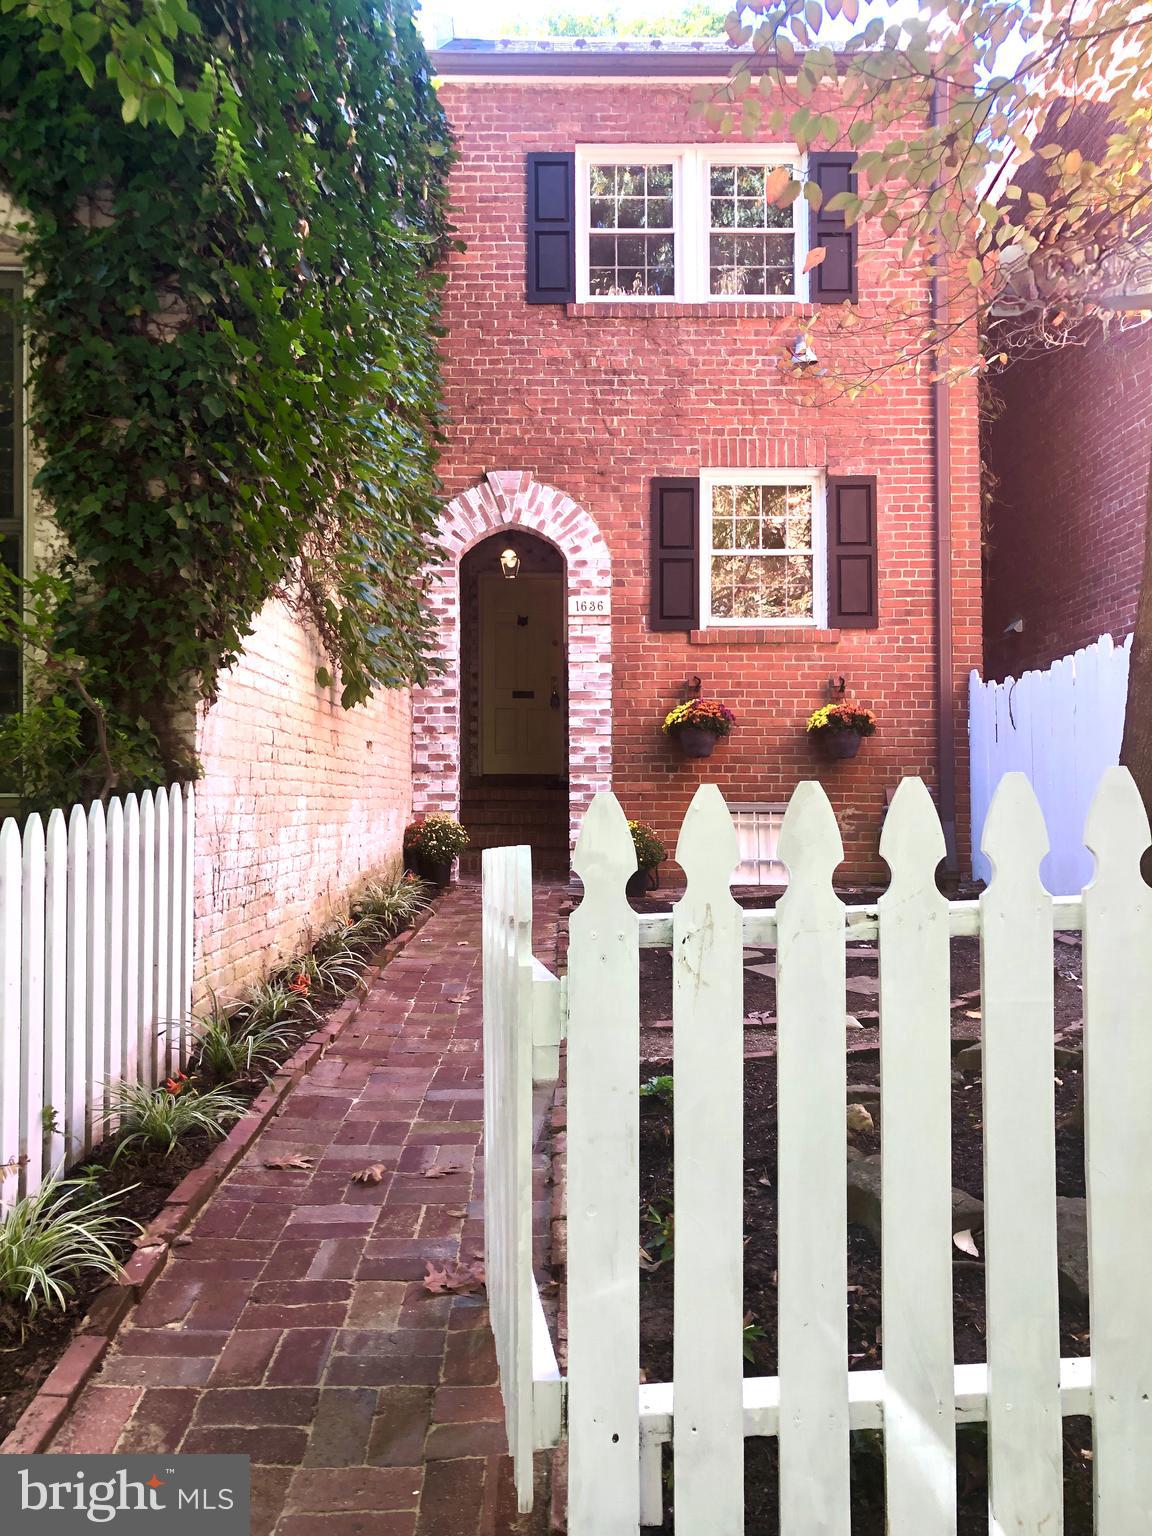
point(838, 729)
point(433, 845)
point(650, 854)
point(697, 725)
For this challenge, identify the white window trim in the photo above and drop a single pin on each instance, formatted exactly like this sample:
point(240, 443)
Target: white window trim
point(690, 217)
point(709, 479)
point(772, 871)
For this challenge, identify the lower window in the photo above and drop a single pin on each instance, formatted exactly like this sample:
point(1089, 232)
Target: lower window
point(763, 548)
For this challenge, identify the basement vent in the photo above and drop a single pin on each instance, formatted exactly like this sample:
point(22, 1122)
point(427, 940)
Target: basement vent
point(758, 833)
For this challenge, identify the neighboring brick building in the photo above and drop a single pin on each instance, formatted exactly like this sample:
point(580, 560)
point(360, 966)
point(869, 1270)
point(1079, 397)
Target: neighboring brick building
point(1069, 455)
point(605, 332)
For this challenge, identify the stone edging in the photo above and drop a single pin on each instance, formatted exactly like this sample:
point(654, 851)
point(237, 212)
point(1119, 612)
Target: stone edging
point(33, 1431)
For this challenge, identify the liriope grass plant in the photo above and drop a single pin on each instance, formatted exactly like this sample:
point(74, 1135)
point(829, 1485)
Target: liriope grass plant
point(50, 1239)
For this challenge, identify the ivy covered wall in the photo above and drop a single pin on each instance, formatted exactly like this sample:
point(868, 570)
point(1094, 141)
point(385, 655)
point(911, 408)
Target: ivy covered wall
point(234, 386)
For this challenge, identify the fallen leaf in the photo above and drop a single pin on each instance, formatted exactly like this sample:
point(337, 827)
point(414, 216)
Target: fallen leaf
point(648, 1263)
point(442, 1170)
point(764, 1179)
point(370, 1175)
point(452, 1279)
point(973, 1013)
point(966, 1243)
point(294, 1162)
point(461, 997)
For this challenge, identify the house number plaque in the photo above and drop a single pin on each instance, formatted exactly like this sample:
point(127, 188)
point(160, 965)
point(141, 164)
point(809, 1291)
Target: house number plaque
point(580, 607)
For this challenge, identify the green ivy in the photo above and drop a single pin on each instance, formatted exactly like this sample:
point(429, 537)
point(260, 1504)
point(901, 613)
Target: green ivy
point(233, 348)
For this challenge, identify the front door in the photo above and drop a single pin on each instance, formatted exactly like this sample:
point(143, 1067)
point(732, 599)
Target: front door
point(523, 675)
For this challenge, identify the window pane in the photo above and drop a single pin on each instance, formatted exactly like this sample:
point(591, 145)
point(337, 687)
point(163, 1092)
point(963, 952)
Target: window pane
point(799, 600)
point(762, 563)
point(630, 265)
point(800, 516)
point(9, 655)
point(760, 261)
point(630, 196)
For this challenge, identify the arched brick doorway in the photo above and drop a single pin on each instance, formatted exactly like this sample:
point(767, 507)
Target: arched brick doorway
point(507, 500)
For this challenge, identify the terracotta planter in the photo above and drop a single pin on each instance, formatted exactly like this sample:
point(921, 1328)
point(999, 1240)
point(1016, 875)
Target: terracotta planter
point(643, 881)
point(839, 744)
point(695, 742)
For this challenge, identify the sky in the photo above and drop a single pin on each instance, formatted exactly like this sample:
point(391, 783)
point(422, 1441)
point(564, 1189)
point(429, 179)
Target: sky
point(491, 18)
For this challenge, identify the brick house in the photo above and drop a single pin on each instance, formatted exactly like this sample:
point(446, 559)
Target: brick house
point(1068, 450)
point(679, 516)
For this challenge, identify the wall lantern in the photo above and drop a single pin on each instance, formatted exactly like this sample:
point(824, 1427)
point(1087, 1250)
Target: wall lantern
point(509, 564)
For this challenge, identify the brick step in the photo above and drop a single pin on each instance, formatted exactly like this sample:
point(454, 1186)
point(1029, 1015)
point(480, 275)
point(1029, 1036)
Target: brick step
point(491, 817)
point(509, 837)
point(489, 795)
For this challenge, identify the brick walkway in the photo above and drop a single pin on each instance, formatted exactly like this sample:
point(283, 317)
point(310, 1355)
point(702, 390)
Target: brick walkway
point(293, 1326)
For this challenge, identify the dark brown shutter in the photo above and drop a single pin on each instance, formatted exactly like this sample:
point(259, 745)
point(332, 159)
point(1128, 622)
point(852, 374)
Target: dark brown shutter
point(675, 554)
point(551, 229)
point(834, 280)
point(852, 564)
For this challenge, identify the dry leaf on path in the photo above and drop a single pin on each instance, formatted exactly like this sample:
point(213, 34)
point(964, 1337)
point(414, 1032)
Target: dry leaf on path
point(442, 1170)
point(966, 1243)
point(370, 1175)
point(452, 1279)
point(295, 1162)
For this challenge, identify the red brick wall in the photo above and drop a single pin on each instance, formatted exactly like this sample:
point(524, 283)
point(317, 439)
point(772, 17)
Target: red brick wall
point(597, 401)
point(300, 800)
point(1069, 455)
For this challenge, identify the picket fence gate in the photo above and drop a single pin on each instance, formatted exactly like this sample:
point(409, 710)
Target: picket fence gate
point(615, 1425)
point(95, 970)
point(1063, 727)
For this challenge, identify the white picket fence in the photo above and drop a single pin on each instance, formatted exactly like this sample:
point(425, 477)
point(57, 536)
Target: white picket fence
point(95, 970)
point(1063, 728)
point(615, 1424)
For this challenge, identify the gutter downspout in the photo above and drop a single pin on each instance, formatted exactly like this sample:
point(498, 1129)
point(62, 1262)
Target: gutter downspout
point(942, 521)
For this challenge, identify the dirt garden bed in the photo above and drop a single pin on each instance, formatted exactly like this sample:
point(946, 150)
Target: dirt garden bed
point(863, 1300)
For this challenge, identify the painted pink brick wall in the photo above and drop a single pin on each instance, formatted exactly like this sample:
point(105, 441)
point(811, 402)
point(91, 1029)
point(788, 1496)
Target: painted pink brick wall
point(300, 800)
point(1069, 455)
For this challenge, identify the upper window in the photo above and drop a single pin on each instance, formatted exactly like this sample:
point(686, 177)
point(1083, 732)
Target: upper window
point(690, 223)
point(11, 469)
point(763, 545)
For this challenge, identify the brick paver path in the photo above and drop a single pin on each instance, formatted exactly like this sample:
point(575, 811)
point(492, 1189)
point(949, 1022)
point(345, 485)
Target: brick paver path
point(293, 1326)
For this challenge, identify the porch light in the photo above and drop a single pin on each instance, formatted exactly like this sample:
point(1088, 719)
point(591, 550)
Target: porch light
point(509, 564)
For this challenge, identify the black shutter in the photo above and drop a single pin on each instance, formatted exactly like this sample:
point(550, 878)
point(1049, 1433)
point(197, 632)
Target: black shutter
point(834, 280)
point(552, 229)
point(675, 554)
point(852, 553)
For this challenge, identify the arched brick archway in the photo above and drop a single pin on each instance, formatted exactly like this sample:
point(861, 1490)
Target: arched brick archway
point(509, 498)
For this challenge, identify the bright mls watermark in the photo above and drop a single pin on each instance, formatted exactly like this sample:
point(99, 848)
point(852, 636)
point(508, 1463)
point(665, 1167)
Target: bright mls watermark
point(62, 1495)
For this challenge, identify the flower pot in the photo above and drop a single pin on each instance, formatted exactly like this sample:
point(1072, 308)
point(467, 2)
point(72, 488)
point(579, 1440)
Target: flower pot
point(839, 744)
point(643, 881)
point(696, 742)
point(439, 874)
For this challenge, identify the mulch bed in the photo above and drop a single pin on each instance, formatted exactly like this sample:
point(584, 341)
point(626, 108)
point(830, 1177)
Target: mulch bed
point(865, 1336)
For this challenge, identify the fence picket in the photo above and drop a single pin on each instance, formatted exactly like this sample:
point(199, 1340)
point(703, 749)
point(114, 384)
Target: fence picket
point(114, 944)
point(55, 990)
point(133, 913)
point(811, 1191)
point(1024, 1416)
point(146, 951)
point(916, 1171)
point(708, 1054)
point(172, 1016)
point(603, 1184)
point(1118, 1154)
point(162, 919)
point(11, 918)
point(95, 960)
point(76, 1044)
point(32, 1081)
point(507, 916)
point(187, 919)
